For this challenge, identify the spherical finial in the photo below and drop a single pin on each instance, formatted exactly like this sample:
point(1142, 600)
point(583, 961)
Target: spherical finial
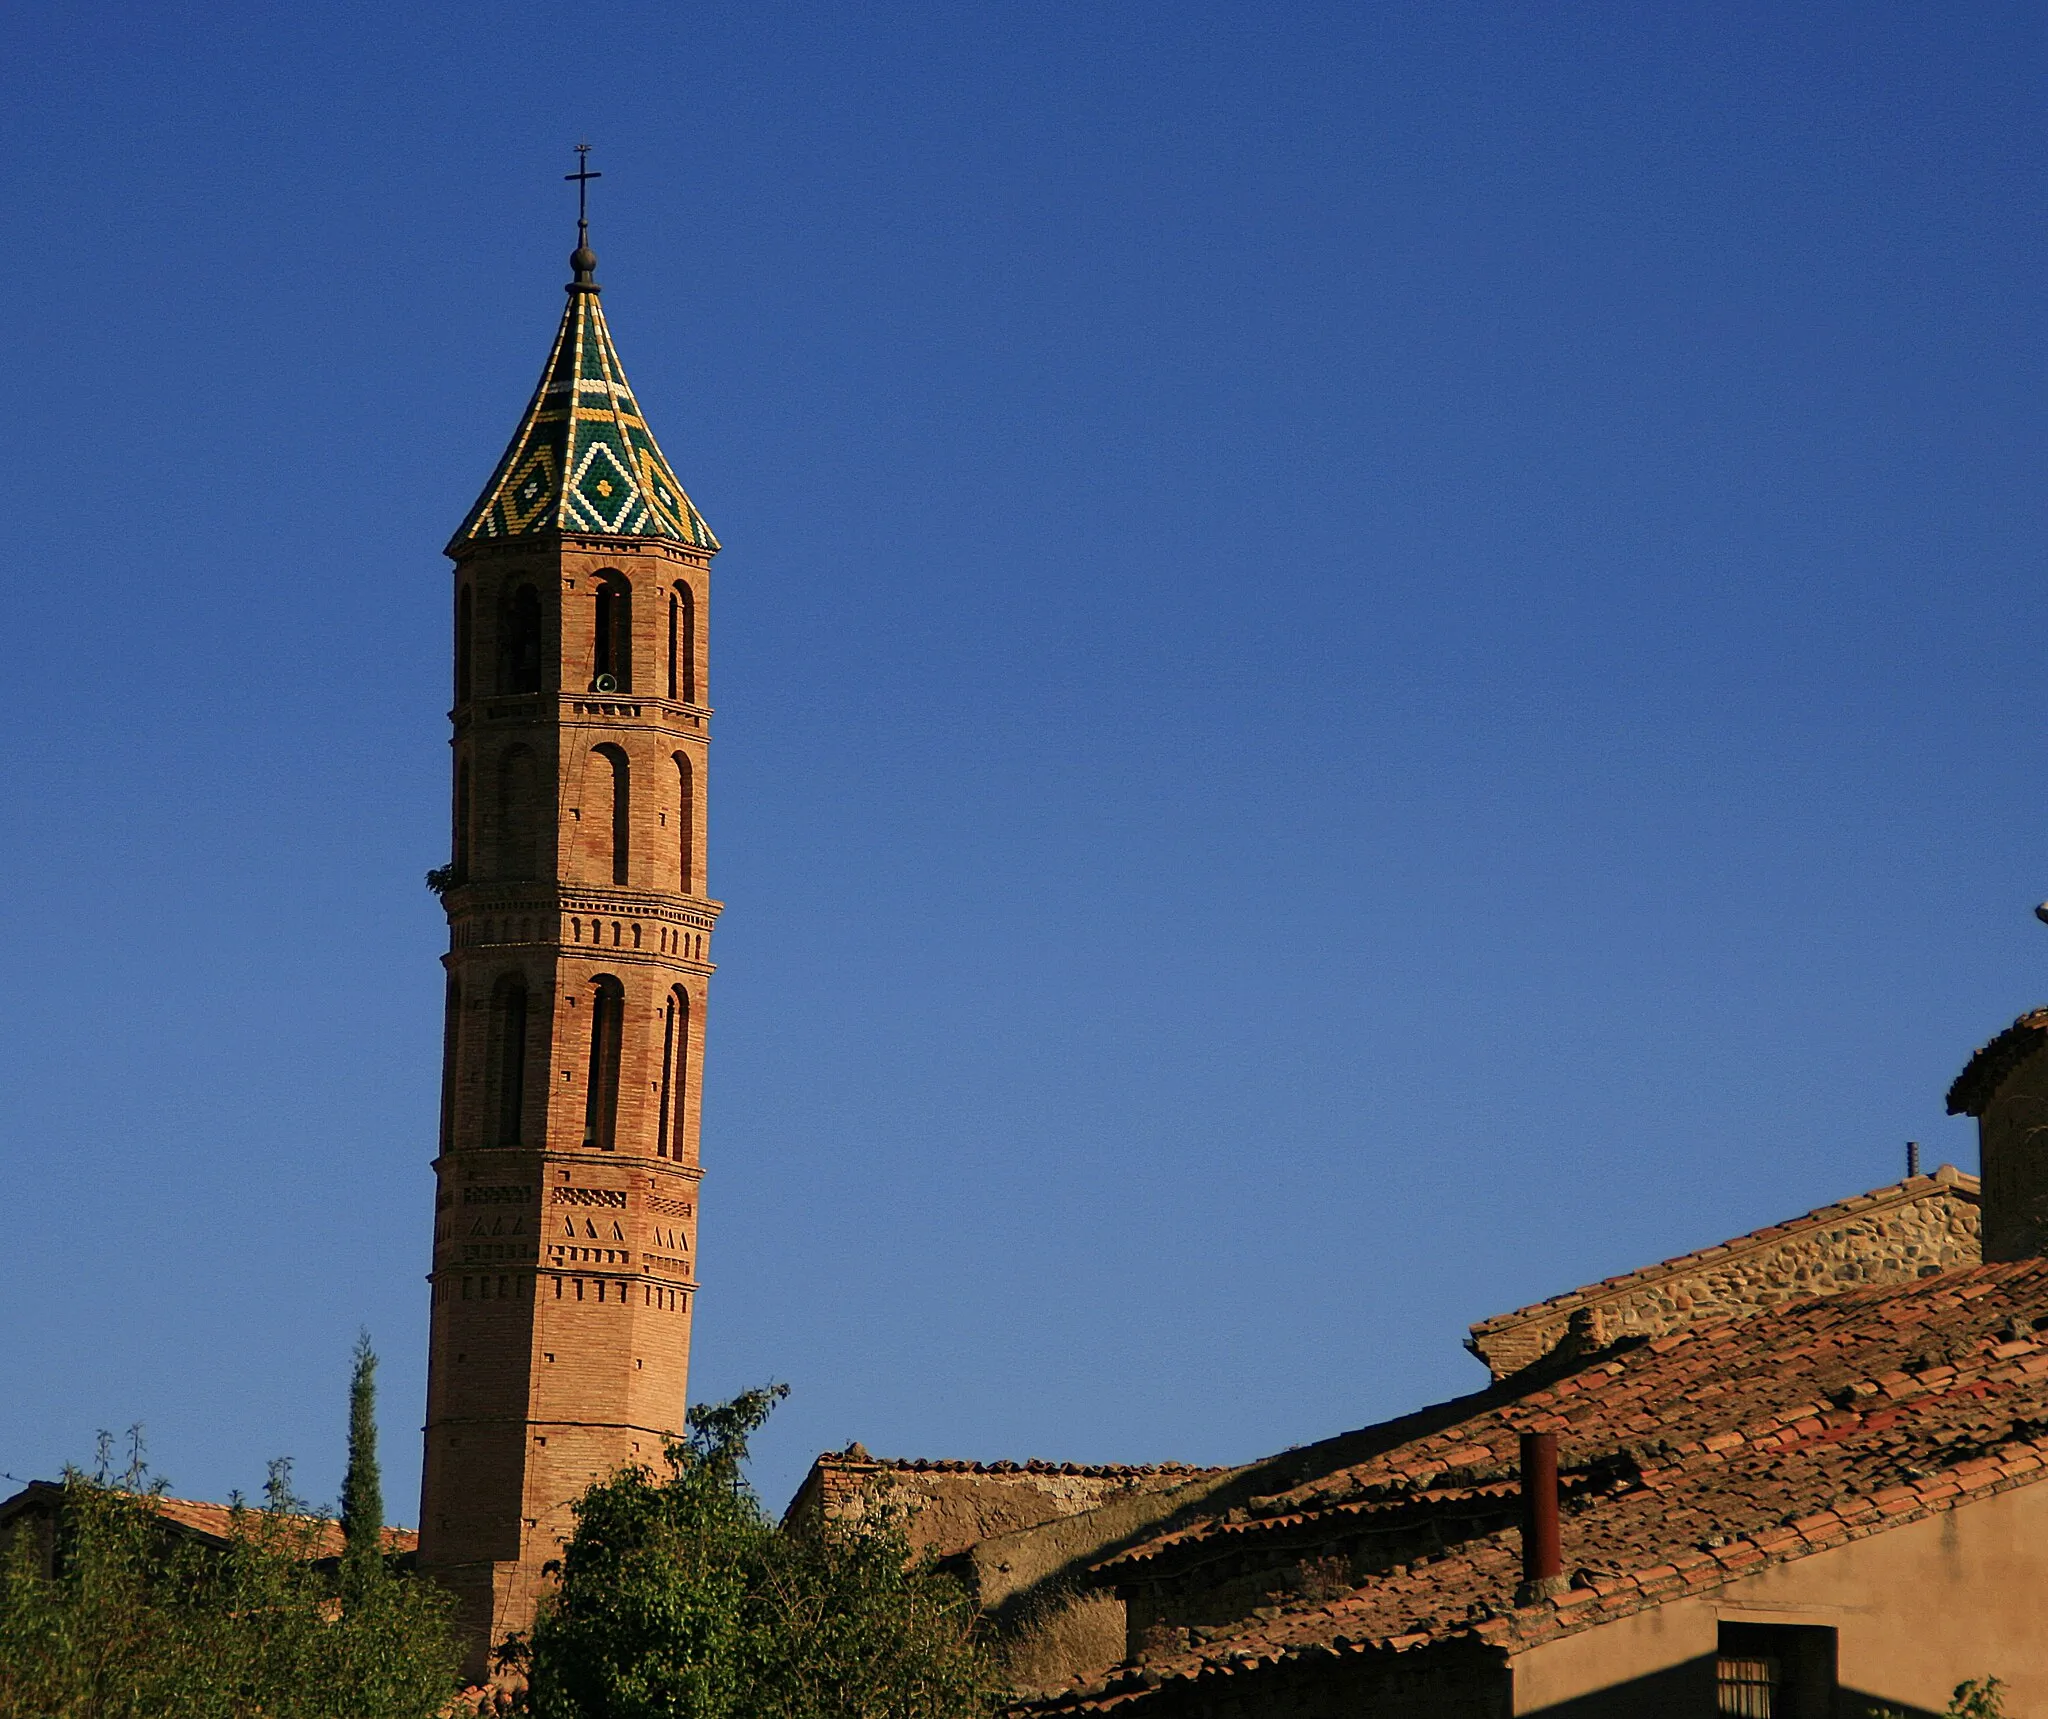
point(584, 261)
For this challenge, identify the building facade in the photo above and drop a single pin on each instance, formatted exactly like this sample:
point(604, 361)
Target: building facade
point(579, 955)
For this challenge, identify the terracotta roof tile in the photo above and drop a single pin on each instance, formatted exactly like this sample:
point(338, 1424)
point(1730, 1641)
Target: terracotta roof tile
point(1698, 1457)
point(216, 1521)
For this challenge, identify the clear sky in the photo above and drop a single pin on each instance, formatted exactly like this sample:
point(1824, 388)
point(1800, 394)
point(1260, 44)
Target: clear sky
point(1373, 659)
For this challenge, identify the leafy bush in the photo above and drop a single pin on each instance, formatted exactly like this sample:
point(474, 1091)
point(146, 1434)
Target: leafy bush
point(1974, 1698)
point(681, 1599)
point(1979, 1698)
point(139, 1621)
point(134, 1619)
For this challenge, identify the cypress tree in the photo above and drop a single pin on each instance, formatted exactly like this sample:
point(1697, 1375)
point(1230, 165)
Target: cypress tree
point(362, 1489)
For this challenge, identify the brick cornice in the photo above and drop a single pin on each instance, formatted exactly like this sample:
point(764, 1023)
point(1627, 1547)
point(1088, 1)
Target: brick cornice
point(573, 543)
point(508, 712)
point(537, 1159)
point(466, 900)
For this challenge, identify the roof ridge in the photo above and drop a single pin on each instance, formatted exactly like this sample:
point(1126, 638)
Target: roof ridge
point(1031, 1465)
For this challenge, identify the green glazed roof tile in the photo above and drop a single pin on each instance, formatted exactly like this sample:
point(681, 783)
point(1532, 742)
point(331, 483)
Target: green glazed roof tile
point(583, 459)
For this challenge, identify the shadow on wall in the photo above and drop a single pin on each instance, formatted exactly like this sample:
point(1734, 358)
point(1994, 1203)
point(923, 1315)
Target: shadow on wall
point(1700, 1686)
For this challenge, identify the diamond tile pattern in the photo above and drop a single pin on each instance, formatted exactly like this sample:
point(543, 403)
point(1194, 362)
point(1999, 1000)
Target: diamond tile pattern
point(583, 459)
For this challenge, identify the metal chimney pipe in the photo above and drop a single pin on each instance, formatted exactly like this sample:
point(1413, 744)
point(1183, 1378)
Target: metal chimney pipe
point(1542, 1543)
point(1912, 1159)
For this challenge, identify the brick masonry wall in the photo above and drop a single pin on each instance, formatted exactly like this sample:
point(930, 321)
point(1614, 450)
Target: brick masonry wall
point(1922, 1225)
point(564, 1258)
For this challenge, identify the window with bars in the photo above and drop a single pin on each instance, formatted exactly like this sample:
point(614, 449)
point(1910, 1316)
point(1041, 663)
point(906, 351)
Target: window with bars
point(1749, 1687)
point(1775, 1671)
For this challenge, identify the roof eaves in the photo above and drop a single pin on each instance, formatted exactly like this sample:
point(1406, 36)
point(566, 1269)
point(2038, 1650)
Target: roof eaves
point(2023, 1462)
point(1987, 1069)
point(1603, 1596)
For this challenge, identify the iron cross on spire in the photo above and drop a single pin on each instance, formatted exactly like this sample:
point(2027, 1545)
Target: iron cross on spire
point(583, 177)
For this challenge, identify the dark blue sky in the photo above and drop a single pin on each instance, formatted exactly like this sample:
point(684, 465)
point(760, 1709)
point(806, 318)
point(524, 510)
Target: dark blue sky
point(1372, 660)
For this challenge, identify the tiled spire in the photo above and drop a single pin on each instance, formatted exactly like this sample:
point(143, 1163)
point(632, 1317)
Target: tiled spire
point(583, 459)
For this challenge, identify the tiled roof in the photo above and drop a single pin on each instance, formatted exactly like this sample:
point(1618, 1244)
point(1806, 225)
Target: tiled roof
point(1689, 1460)
point(214, 1521)
point(1986, 1071)
point(1771, 1235)
point(583, 459)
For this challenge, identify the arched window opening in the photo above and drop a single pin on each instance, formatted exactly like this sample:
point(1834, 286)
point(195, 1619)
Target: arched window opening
point(465, 631)
point(459, 848)
point(675, 1073)
point(607, 1030)
point(686, 826)
point(613, 654)
point(682, 644)
point(508, 1027)
point(451, 1025)
point(519, 642)
point(622, 826)
point(518, 815)
point(619, 826)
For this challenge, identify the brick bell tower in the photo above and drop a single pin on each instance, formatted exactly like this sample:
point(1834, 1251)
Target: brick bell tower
point(565, 1220)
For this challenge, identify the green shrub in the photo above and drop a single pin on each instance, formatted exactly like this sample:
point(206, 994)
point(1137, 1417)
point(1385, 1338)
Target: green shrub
point(1974, 1698)
point(681, 1599)
point(135, 1619)
point(139, 1621)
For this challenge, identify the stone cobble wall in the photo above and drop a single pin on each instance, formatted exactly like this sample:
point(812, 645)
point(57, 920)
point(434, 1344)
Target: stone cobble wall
point(956, 1505)
point(1922, 1225)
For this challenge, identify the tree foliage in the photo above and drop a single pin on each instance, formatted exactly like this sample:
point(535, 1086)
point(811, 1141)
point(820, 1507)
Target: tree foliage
point(362, 1486)
point(1978, 1698)
point(140, 1621)
point(1974, 1698)
point(681, 1599)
